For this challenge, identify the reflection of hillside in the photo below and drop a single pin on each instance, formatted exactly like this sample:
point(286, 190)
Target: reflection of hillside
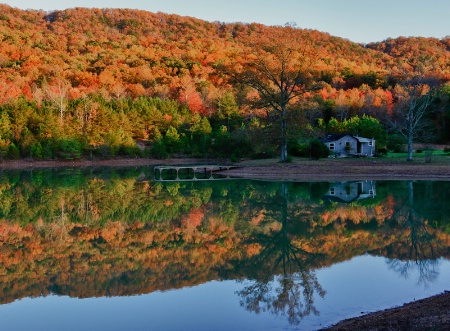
point(120, 259)
point(115, 260)
point(137, 260)
point(107, 237)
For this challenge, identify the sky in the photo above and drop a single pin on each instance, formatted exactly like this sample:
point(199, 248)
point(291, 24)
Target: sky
point(360, 21)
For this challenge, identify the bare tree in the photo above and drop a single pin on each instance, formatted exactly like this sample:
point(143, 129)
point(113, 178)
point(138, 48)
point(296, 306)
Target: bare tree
point(84, 112)
point(57, 93)
point(414, 96)
point(118, 91)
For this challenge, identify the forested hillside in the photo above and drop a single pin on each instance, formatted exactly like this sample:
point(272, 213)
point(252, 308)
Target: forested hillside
point(107, 82)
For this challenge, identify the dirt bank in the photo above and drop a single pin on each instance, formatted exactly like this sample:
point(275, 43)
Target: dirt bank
point(428, 314)
point(33, 164)
point(343, 169)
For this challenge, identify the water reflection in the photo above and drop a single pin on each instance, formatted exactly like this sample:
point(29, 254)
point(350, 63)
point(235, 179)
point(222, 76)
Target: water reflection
point(91, 233)
point(419, 252)
point(350, 191)
point(283, 281)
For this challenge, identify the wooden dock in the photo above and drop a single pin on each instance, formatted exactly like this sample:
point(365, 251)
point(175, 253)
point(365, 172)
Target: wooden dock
point(190, 172)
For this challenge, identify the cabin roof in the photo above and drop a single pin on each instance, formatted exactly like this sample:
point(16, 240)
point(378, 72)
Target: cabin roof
point(336, 136)
point(363, 140)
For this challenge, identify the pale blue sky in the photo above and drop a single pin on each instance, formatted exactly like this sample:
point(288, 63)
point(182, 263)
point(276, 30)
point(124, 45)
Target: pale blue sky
point(358, 20)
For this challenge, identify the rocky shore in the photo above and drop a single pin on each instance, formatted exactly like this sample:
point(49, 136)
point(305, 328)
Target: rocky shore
point(428, 314)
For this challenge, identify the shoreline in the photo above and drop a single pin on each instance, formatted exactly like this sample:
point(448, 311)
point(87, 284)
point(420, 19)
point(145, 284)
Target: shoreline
point(432, 313)
point(343, 169)
point(271, 169)
point(122, 162)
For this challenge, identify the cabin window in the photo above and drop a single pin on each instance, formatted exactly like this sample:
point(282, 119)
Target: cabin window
point(332, 191)
point(331, 146)
point(347, 145)
point(370, 143)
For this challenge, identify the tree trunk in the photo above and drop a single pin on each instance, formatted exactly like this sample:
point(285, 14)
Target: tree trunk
point(284, 203)
point(411, 219)
point(284, 154)
point(410, 148)
point(410, 138)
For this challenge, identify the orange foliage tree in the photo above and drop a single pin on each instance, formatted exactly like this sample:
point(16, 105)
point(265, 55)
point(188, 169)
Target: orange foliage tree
point(279, 66)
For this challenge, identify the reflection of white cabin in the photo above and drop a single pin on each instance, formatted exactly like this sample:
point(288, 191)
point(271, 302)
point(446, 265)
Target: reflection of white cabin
point(350, 191)
point(343, 145)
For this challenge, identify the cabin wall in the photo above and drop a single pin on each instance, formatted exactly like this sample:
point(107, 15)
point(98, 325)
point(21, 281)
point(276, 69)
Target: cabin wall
point(345, 191)
point(339, 146)
point(368, 150)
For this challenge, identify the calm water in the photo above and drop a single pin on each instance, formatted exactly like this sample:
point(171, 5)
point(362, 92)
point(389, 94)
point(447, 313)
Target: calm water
point(113, 249)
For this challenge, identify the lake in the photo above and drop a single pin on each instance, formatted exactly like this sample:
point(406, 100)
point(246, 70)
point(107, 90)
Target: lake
point(113, 249)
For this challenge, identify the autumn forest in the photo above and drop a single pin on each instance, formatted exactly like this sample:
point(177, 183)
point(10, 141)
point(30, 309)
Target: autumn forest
point(101, 83)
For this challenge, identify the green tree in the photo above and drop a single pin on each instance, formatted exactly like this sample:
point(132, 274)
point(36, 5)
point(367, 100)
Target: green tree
point(366, 126)
point(227, 108)
point(172, 139)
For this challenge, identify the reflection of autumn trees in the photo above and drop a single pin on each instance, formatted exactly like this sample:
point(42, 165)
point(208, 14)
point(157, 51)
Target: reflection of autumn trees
point(419, 245)
point(93, 232)
point(284, 281)
point(117, 259)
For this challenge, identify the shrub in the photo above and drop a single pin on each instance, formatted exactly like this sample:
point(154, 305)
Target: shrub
point(419, 151)
point(70, 149)
point(303, 149)
point(36, 150)
point(235, 157)
point(382, 151)
point(129, 150)
point(396, 143)
point(222, 145)
point(318, 149)
point(103, 151)
point(13, 152)
point(295, 148)
point(159, 150)
point(48, 149)
point(314, 149)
